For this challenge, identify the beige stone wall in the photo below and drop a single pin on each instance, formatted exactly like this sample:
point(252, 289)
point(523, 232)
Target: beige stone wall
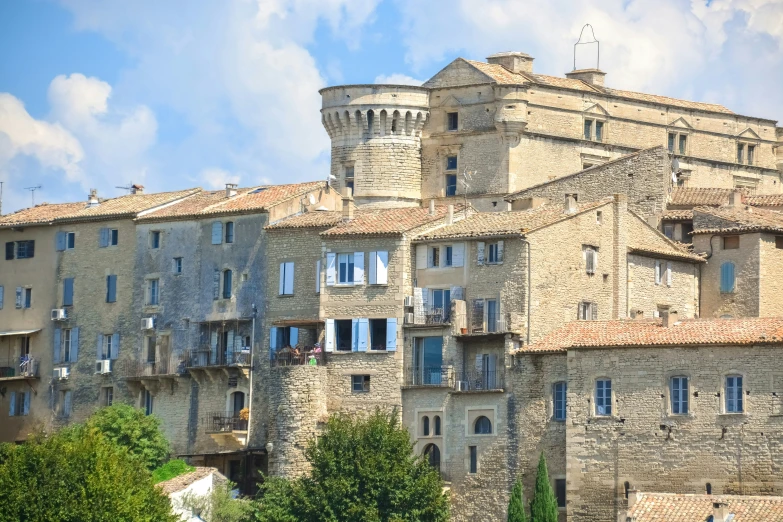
point(646, 295)
point(770, 276)
point(651, 449)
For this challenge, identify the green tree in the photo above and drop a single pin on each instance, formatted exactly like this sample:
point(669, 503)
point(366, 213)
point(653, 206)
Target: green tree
point(77, 475)
point(130, 428)
point(363, 470)
point(219, 505)
point(516, 504)
point(543, 507)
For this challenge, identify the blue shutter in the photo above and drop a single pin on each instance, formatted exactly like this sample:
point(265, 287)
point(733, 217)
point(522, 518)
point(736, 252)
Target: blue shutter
point(105, 234)
point(727, 277)
point(2, 296)
point(56, 351)
point(217, 233)
point(391, 334)
point(26, 404)
point(364, 331)
point(59, 241)
point(111, 289)
point(74, 344)
point(68, 291)
point(272, 342)
point(354, 335)
point(12, 412)
point(115, 346)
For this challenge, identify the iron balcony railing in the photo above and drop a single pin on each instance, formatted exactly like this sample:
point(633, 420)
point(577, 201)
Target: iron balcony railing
point(299, 356)
point(437, 376)
point(174, 365)
point(19, 368)
point(223, 422)
point(487, 380)
point(484, 323)
point(205, 357)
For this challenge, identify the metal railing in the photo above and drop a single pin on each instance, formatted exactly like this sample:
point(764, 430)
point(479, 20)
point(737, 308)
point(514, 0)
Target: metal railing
point(19, 367)
point(206, 357)
point(223, 422)
point(479, 380)
point(174, 365)
point(438, 376)
point(484, 324)
point(299, 356)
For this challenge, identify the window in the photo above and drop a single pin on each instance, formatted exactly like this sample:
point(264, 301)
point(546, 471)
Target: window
point(599, 131)
point(672, 139)
point(425, 426)
point(147, 402)
point(349, 176)
point(483, 426)
point(432, 453)
point(436, 425)
point(346, 268)
point(151, 348)
point(731, 242)
point(111, 288)
point(678, 140)
point(20, 403)
point(626, 488)
point(588, 311)
point(451, 162)
point(68, 291)
point(343, 330)
point(588, 129)
point(114, 237)
point(227, 282)
point(107, 396)
point(28, 297)
point(229, 232)
point(452, 121)
point(451, 184)
point(64, 405)
point(740, 152)
point(378, 334)
point(560, 492)
point(473, 455)
point(153, 292)
point(434, 257)
point(679, 395)
point(66, 346)
point(449, 255)
point(360, 383)
point(70, 240)
point(559, 401)
point(734, 394)
point(370, 118)
point(493, 316)
point(599, 218)
point(683, 143)
point(428, 361)
point(106, 346)
point(441, 302)
point(751, 154)
point(708, 488)
point(24, 249)
point(495, 253)
point(668, 230)
point(286, 286)
point(727, 279)
point(177, 265)
point(155, 239)
point(603, 397)
point(591, 259)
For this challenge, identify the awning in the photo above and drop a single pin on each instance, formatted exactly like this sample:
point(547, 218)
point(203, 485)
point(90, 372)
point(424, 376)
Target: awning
point(19, 332)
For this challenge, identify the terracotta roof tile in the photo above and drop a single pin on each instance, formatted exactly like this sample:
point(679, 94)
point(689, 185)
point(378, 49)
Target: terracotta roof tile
point(316, 219)
point(646, 240)
point(129, 205)
point(182, 481)
point(677, 215)
point(671, 507)
point(512, 223)
point(650, 332)
point(696, 197)
point(665, 100)
point(709, 220)
point(499, 73)
point(388, 221)
point(771, 200)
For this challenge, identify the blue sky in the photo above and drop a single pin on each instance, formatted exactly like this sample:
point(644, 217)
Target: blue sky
point(176, 93)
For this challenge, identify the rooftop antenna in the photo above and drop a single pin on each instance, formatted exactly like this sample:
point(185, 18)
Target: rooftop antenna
point(593, 41)
point(32, 191)
point(129, 188)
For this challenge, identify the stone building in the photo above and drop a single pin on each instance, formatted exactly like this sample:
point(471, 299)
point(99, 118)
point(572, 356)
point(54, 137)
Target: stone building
point(673, 507)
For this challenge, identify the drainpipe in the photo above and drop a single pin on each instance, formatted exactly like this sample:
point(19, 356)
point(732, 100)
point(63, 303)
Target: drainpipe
point(527, 243)
point(252, 370)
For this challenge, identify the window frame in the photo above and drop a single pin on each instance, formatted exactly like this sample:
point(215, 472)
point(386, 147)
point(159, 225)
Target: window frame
point(65, 345)
point(476, 426)
point(735, 405)
point(70, 240)
point(451, 184)
point(347, 259)
point(107, 396)
point(680, 405)
point(177, 265)
point(602, 397)
point(563, 401)
point(153, 292)
point(363, 382)
point(228, 232)
point(492, 252)
point(733, 238)
point(557, 483)
point(155, 236)
point(677, 142)
point(227, 284)
point(27, 297)
point(338, 338)
point(452, 121)
point(473, 460)
point(148, 402)
point(114, 237)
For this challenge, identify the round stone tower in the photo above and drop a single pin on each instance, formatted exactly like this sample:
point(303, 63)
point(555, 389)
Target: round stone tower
point(376, 141)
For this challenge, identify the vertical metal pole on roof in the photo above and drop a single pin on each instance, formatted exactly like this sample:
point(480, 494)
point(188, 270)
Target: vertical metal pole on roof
point(250, 384)
point(595, 41)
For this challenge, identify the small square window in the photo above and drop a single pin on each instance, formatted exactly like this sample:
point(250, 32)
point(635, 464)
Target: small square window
point(155, 239)
point(453, 121)
point(177, 266)
point(731, 242)
point(360, 383)
point(778, 241)
point(114, 237)
point(451, 162)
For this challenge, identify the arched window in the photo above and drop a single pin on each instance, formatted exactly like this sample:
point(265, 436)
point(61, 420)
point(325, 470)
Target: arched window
point(437, 425)
point(708, 487)
point(425, 426)
point(727, 279)
point(626, 488)
point(432, 453)
point(227, 282)
point(237, 402)
point(370, 122)
point(483, 426)
point(230, 232)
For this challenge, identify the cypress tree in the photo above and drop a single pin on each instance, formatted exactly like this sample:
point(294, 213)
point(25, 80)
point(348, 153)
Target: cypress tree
point(516, 504)
point(543, 507)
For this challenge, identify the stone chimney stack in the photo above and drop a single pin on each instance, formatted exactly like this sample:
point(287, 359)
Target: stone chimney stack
point(137, 189)
point(633, 498)
point(92, 199)
point(669, 317)
point(348, 204)
point(450, 215)
point(514, 61)
point(591, 76)
point(735, 199)
point(720, 512)
point(432, 207)
point(570, 204)
point(231, 190)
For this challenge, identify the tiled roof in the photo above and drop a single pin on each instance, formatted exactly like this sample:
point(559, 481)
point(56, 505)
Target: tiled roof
point(499, 73)
point(772, 200)
point(708, 220)
point(512, 223)
point(182, 481)
point(645, 240)
point(696, 197)
point(665, 100)
point(318, 218)
point(651, 332)
point(671, 507)
point(252, 199)
point(677, 215)
point(388, 221)
point(128, 205)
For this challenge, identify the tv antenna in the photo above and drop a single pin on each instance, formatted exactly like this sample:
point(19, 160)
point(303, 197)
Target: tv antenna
point(32, 192)
point(129, 188)
point(593, 41)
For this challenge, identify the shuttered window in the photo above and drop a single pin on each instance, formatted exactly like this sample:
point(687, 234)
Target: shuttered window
point(591, 259)
point(286, 286)
point(495, 255)
point(228, 279)
point(678, 390)
point(727, 279)
point(68, 291)
point(217, 233)
point(379, 267)
point(603, 397)
point(734, 394)
point(559, 401)
point(588, 311)
point(111, 288)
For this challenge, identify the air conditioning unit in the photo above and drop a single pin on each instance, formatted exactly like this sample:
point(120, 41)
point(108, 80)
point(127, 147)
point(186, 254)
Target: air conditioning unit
point(103, 367)
point(58, 314)
point(461, 386)
point(147, 323)
point(409, 318)
point(61, 373)
point(408, 301)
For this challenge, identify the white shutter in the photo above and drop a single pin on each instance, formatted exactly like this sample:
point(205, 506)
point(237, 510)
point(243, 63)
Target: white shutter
point(372, 266)
point(418, 305)
point(668, 274)
point(294, 336)
point(421, 256)
point(364, 334)
point(331, 272)
point(458, 254)
point(12, 411)
point(217, 233)
point(358, 268)
point(318, 277)
point(480, 248)
point(281, 284)
point(382, 270)
point(657, 272)
point(430, 257)
point(272, 341)
point(289, 278)
point(500, 252)
point(391, 334)
point(330, 335)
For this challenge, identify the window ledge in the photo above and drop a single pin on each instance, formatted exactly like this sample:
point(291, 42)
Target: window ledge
point(285, 295)
point(603, 418)
point(738, 415)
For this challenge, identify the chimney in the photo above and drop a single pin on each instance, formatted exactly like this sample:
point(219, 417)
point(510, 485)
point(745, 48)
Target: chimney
point(527, 203)
point(668, 317)
point(92, 199)
point(348, 204)
point(570, 204)
point(637, 314)
point(720, 512)
point(591, 76)
point(633, 497)
point(231, 190)
point(432, 207)
point(450, 215)
point(735, 199)
point(137, 189)
point(513, 61)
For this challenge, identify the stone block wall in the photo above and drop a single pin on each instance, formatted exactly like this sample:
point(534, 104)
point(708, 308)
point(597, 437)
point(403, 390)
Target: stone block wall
point(770, 279)
point(646, 295)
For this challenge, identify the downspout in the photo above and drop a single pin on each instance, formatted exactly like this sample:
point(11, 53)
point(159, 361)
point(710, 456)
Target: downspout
point(252, 371)
point(527, 341)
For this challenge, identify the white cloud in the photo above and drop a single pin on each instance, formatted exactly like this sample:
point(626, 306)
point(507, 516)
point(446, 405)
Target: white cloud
point(215, 178)
point(397, 79)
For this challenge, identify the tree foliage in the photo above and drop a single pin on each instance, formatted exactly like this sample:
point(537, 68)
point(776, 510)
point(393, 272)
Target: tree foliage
point(543, 507)
point(363, 470)
point(219, 505)
point(75, 475)
point(171, 469)
point(516, 504)
point(130, 428)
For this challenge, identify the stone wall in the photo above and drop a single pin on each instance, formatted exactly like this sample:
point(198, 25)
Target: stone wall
point(770, 275)
point(648, 296)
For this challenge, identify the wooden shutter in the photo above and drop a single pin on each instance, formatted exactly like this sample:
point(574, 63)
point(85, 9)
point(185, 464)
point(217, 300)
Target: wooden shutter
point(364, 334)
point(727, 277)
point(2, 296)
point(115, 346)
point(216, 284)
point(480, 249)
point(668, 274)
point(60, 240)
point(594, 311)
point(217, 233)
point(68, 291)
point(477, 316)
point(56, 347)
point(272, 342)
point(12, 412)
point(354, 335)
point(19, 297)
point(658, 270)
point(67, 404)
point(104, 236)
point(430, 257)
point(9, 250)
point(358, 268)
point(111, 290)
point(289, 278)
point(500, 252)
point(331, 272)
point(391, 334)
point(372, 267)
point(99, 348)
point(419, 305)
point(382, 270)
point(26, 405)
point(421, 256)
point(281, 284)
point(329, 335)
point(458, 254)
point(30, 249)
point(318, 276)
point(74, 344)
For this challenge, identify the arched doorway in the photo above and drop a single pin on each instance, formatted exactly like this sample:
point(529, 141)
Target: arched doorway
point(432, 453)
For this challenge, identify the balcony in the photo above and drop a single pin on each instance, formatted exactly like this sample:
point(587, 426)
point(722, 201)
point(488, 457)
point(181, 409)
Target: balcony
point(299, 356)
point(172, 367)
point(486, 324)
point(207, 357)
point(227, 428)
point(436, 377)
point(19, 368)
point(425, 317)
point(479, 381)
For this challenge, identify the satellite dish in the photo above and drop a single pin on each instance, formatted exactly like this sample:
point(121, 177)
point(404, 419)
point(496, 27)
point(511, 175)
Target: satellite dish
point(675, 165)
point(311, 198)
